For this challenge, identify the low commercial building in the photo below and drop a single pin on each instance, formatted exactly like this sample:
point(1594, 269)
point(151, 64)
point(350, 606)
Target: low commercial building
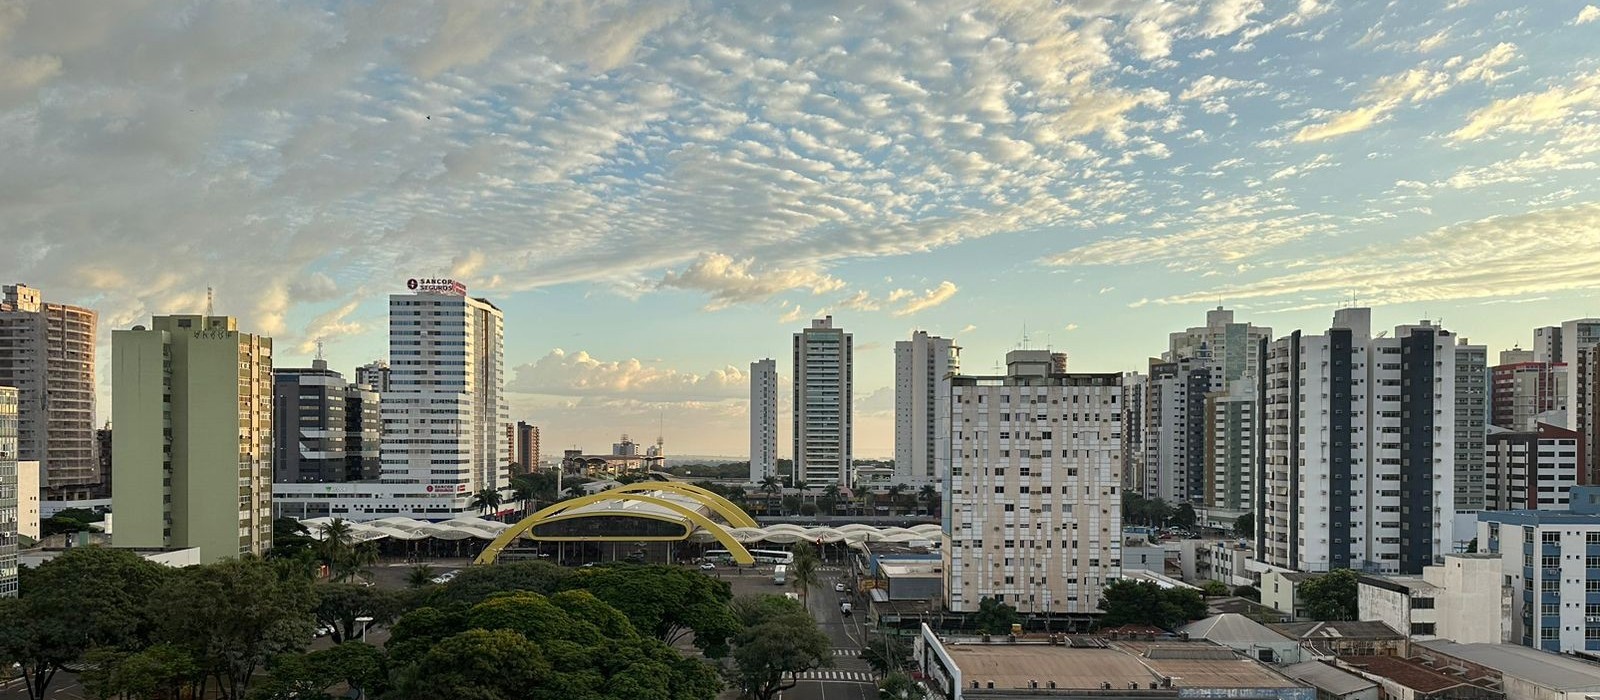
point(1246, 636)
point(1280, 590)
point(1533, 469)
point(1331, 682)
point(1088, 667)
point(176, 558)
point(1344, 638)
point(1524, 673)
point(1405, 603)
point(912, 580)
point(1230, 561)
point(1404, 677)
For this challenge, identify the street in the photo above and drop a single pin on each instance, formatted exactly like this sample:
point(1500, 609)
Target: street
point(849, 678)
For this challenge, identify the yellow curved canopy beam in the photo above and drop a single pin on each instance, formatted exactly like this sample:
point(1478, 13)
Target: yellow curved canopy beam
point(735, 516)
point(510, 534)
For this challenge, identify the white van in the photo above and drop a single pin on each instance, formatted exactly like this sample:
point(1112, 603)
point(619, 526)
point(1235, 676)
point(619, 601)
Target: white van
point(844, 607)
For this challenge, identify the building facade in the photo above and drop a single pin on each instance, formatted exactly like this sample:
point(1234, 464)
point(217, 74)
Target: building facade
point(1552, 562)
point(823, 404)
point(1175, 430)
point(1547, 345)
point(921, 367)
point(1521, 391)
point(9, 446)
point(1472, 423)
point(445, 414)
point(1032, 509)
point(375, 375)
point(763, 420)
point(526, 450)
point(1231, 422)
point(324, 430)
point(1359, 448)
point(47, 353)
point(192, 405)
point(1533, 470)
point(1133, 408)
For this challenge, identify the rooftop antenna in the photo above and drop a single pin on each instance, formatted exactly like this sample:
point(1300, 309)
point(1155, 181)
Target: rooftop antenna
point(319, 348)
point(210, 298)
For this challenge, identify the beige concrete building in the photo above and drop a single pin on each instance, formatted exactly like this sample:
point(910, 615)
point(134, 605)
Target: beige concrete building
point(192, 402)
point(29, 490)
point(8, 492)
point(47, 354)
point(1034, 513)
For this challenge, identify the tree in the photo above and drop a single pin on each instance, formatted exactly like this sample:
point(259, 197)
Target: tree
point(899, 686)
point(157, 672)
point(1184, 516)
point(523, 493)
point(666, 602)
point(804, 488)
point(1250, 593)
point(805, 571)
point(232, 616)
point(1214, 588)
point(339, 604)
point(1245, 525)
point(930, 498)
point(808, 509)
point(487, 500)
point(772, 486)
point(353, 562)
point(1129, 602)
point(791, 504)
point(476, 583)
point(994, 616)
point(420, 576)
point(89, 597)
point(894, 495)
point(780, 642)
point(887, 653)
point(479, 665)
point(1331, 596)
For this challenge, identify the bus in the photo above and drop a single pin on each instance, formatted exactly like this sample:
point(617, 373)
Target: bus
point(780, 574)
point(762, 556)
point(772, 556)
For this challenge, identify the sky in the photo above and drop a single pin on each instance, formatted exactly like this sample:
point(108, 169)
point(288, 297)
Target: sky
point(657, 193)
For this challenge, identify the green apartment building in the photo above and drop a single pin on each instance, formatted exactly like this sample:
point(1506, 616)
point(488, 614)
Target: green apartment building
point(192, 406)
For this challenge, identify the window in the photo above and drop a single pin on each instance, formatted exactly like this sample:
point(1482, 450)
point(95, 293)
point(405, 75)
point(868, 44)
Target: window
point(1421, 603)
point(1422, 628)
point(1551, 538)
point(1549, 632)
point(1592, 537)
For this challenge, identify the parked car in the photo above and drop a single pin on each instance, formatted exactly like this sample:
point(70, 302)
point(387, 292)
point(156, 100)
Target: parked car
point(707, 566)
point(839, 587)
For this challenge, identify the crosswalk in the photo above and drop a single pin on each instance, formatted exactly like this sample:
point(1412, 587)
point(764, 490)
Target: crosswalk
point(832, 675)
point(846, 652)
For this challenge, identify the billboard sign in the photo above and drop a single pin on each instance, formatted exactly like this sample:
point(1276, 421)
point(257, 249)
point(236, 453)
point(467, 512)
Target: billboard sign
point(436, 285)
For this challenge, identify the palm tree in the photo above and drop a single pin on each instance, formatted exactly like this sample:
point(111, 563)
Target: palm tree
point(487, 500)
point(929, 495)
point(894, 495)
point(522, 491)
point(803, 573)
point(355, 561)
point(337, 538)
point(420, 575)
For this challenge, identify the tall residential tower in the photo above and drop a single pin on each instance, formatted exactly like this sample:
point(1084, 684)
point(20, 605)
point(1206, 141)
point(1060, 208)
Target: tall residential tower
point(822, 404)
point(921, 368)
point(47, 353)
point(763, 419)
point(192, 403)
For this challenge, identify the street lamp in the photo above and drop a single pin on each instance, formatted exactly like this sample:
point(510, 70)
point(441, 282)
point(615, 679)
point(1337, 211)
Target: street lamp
point(365, 621)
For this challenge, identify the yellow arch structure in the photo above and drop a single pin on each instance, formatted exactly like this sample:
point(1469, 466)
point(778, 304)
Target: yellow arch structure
point(730, 512)
point(510, 534)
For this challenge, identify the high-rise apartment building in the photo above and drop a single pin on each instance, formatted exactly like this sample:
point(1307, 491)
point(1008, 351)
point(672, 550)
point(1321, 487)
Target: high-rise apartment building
point(1515, 355)
point(192, 405)
point(1032, 509)
point(1133, 396)
point(1360, 448)
point(445, 414)
point(324, 430)
point(1533, 469)
point(1175, 430)
point(1521, 391)
point(763, 419)
point(1472, 423)
point(823, 394)
point(526, 451)
point(1230, 347)
point(921, 367)
point(8, 491)
point(1232, 424)
point(374, 375)
point(1547, 345)
point(47, 354)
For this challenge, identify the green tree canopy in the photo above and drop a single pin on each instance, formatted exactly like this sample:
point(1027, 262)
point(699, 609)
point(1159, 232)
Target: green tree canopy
point(1145, 603)
point(1245, 525)
point(994, 616)
point(666, 602)
point(476, 583)
point(233, 616)
point(479, 665)
point(339, 604)
point(779, 643)
point(1331, 596)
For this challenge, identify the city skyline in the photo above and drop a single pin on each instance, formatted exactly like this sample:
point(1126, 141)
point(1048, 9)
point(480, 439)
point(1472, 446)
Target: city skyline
point(633, 184)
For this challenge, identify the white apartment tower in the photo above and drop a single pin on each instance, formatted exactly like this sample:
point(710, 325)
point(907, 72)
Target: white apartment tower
point(1032, 509)
point(1547, 344)
point(823, 366)
point(921, 368)
point(763, 419)
point(1360, 448)
point(445, 414)
point(1175, 429)
point(47, 352)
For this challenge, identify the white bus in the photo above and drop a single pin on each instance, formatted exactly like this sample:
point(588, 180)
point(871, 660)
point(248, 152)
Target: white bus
point(780, 574)
point(762, 556)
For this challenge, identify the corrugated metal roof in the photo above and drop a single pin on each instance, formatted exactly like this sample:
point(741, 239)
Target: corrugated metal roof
point(1327, 678)
point(1542, 667)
